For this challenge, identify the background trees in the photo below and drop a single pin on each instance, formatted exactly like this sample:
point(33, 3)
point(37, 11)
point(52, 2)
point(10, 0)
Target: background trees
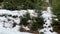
point(11, 4)
point(21, 4)
point(55, 6)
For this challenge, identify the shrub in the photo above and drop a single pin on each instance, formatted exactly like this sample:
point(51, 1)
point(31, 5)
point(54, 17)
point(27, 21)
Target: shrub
point(24, 19)
point(34, 26)
point(37, 23)
point(56, 25)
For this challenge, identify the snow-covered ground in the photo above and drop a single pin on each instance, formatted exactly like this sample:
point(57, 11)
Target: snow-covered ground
point(7, 20)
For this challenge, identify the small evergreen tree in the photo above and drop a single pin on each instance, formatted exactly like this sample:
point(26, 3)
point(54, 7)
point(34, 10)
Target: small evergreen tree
point(24, 19)
point(37, 23)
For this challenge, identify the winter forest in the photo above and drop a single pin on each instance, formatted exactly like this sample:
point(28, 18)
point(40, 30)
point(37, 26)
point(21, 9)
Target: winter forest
point(29, 17)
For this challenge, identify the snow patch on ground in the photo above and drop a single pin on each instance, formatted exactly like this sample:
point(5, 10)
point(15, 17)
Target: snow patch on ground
point(6, 26)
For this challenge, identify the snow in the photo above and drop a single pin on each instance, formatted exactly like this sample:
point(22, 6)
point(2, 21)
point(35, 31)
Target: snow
point(56, 19)
point(6, 26)
point(29, 21)
point(26, 28)
point(32, 13)
point(10, 31)
point(47, 15)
